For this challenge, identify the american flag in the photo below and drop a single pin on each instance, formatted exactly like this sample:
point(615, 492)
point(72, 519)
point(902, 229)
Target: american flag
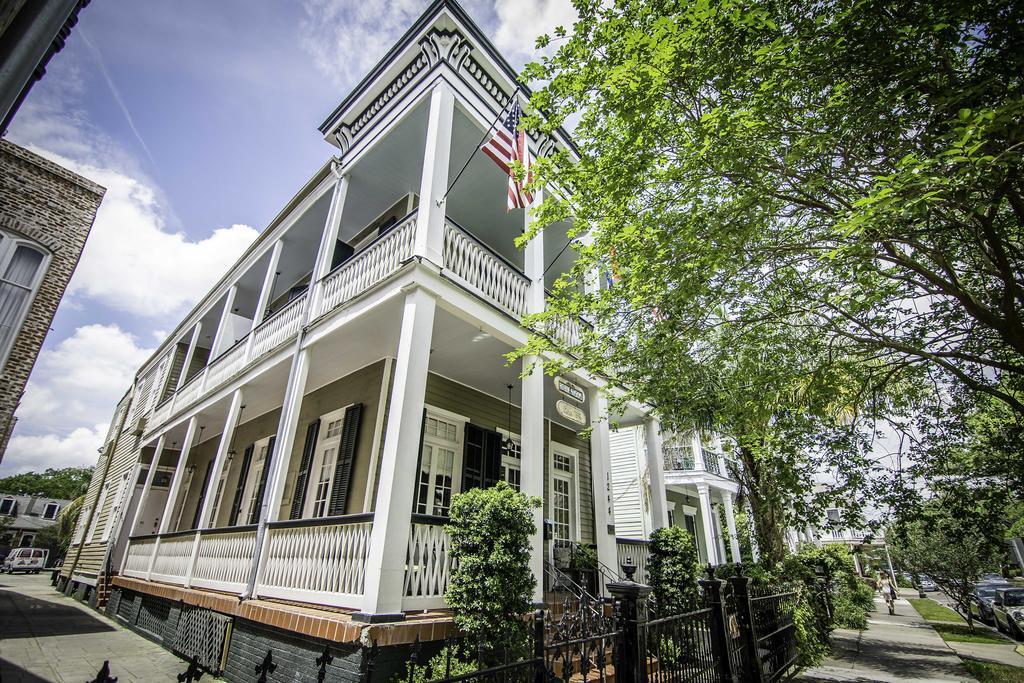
point(510, 144)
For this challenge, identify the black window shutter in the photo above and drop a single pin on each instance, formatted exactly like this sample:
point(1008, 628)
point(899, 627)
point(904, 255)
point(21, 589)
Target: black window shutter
point(481, 458)
point(343, 464)
point(492, 458)
point(472, 458)
point(243, 474)
point(255, 516)
point(299, 497)
point(202, 495)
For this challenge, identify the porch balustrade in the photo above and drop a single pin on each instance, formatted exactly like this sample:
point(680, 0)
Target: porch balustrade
point(479, 269)
point(163, 411)
point(320, 561)
point(187, 394)
point(226, 366)
point(428, 563)
point(277, 329)
point(635, 552)
point(173, 555)
point(368, 267)
point(139, 554)
point(224, 558)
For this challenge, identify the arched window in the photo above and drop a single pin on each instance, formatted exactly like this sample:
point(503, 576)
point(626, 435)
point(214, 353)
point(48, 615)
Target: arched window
point(21, 269)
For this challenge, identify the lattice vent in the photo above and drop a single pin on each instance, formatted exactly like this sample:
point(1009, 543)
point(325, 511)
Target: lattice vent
point(125, 605)
point(202, 634)
point(152, 616)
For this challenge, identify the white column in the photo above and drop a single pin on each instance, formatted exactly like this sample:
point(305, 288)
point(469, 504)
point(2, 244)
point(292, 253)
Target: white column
point(698, 452)
point(287, 428)
point(268, 284)
point(532, 418)
point(655, 465)
point(429, 241)
point(708, 523)
point(146, 487)
point(189, 354)
point(389, 537)
point(730, 520)
point(328, 239)
point(229, 303)
point(179, 471)
point(600, 461)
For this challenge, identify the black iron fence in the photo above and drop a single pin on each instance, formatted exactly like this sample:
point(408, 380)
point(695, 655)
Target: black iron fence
point(738, 634)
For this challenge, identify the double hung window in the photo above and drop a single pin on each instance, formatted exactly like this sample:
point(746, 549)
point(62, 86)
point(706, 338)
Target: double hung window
point(21, 269)
point(440, 464)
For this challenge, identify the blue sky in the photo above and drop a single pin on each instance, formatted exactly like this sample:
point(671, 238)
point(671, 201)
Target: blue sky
point(200, 118)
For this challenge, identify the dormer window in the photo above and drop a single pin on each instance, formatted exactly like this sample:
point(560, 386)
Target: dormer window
point(21, 269)
point(50, 512)
point(6, 506)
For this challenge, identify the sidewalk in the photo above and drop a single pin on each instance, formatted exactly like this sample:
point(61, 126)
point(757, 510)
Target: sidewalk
point(901, 648)
point(45, 636)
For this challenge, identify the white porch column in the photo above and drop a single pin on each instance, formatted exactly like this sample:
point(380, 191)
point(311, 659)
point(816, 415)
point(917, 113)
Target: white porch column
point(707, 520)
point(429, 242)
point(600, 461)
point(268, 284)
point(196, 331)
point(287, 428)
point(655, 470)
point(389, 537)
point(147, 486)
point(698, 452)
point(179, 472)
point(229, 303)
point(329, 237)
point(730, 520)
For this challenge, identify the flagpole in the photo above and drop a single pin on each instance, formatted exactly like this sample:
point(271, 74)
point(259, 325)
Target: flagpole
point(497, 118)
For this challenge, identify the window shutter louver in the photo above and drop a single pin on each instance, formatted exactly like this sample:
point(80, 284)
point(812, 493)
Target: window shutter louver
point(243, 474)
point(299, 497)
point(202, 495)
point(481, 461)
point(492, 459)
point(255, 516)
point(346, 454)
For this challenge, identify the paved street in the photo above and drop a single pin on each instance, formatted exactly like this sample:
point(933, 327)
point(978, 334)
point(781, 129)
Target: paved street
point(901, 648)
point(45, 636)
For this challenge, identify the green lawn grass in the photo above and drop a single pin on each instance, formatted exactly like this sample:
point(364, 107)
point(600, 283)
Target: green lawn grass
point(933, 611)
point(988, 672)
point(962, 633)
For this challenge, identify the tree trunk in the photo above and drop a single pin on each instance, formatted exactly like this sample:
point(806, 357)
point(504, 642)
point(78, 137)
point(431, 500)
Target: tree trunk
point(765, 507)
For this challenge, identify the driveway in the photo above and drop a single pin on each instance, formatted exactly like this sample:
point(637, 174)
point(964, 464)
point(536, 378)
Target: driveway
point(46, 636)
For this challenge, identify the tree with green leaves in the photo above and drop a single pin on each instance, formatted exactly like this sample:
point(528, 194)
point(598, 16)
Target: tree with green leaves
point(67, 483)
point(810, 214)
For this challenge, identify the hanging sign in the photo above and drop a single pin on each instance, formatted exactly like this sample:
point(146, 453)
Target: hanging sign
point(570, 389)
point(571, 412)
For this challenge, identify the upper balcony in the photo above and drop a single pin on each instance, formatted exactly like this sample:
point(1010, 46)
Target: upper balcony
point(692, 460)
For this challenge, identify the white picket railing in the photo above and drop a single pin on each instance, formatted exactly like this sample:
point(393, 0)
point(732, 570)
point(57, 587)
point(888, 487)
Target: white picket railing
point(566, 330)
point(481, 271)
point(317, 562)
point(224, 559)
point(636, 553)
point(161, 414)
point(173, 557)
point(229, 364)
point(278, 329)
point(188, 394)
point(138, 556)
point(368, 267)
point(428, 566)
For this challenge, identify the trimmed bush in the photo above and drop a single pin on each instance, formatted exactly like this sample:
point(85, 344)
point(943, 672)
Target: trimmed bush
point(673, 569)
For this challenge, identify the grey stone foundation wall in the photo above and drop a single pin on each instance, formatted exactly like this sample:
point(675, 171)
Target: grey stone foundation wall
point(294, 656)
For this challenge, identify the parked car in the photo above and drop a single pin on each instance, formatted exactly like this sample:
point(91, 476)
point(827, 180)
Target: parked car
point(983, 596)
point(927, 585)
point(26, 560)
point(1008, 609)
point(992, 578)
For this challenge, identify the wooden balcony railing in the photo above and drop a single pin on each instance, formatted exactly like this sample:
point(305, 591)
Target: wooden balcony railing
point(428, 564)
point(483, 271)
point(278, 328)
point(321, 561)
point(224, 558)
point(173, 556)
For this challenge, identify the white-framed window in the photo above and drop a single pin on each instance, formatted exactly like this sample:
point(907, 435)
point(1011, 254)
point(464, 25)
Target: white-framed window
point(22, 265)
point(50, 511)
point(115, 510)
point(324, 460)
point(440, 462)
point(564, 493)
point(511, 459)
point(252, 483)
point(7, 506)
point(91, 535)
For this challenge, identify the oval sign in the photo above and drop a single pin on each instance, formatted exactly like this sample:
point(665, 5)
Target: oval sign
point(570, 389)
point(571, 412)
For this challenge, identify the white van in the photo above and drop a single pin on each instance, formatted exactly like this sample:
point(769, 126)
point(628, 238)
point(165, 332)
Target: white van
point(26, 560)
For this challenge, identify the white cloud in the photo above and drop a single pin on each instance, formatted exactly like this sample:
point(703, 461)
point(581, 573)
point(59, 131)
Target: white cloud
point(81, 379)
point(36, 453)
point(521, 21)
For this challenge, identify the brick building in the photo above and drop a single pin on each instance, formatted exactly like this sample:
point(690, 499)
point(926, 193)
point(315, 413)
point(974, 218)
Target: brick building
point(46, 212)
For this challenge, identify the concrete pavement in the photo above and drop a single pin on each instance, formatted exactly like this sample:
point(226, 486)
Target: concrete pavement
point(48, 637)
point(894, 649)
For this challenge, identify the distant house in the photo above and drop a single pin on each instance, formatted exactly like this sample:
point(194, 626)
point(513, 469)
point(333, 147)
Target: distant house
point(22, 517)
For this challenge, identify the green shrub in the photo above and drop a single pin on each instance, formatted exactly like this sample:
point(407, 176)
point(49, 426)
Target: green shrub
point(461, 662)
point(673, 569)
point(492, 587)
